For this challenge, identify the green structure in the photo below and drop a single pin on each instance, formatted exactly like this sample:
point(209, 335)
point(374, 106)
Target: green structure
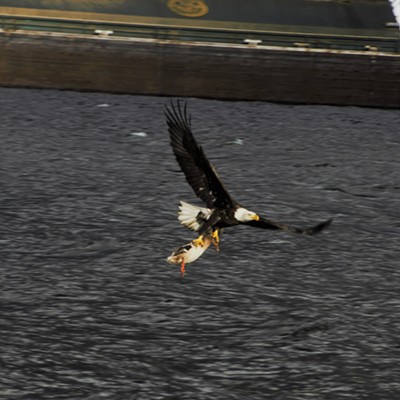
point(341, 24)
point(299, 51)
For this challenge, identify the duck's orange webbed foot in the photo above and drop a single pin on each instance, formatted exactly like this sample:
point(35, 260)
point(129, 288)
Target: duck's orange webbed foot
point(183, 269)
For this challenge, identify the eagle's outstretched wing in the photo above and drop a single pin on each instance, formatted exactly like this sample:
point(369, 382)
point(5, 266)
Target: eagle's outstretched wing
point(265, 223)
point(199, 172)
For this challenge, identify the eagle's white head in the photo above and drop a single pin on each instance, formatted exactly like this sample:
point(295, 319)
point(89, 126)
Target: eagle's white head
point(244, 215)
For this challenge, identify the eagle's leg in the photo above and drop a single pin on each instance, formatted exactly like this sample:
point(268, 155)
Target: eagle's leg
point(199, 241)
point(183, 269)
point(215, 237)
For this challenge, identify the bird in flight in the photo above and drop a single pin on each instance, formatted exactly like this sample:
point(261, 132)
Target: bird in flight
point(221, 210)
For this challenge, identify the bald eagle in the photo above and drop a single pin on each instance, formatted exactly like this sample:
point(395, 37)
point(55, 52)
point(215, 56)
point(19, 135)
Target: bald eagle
point(221, 209)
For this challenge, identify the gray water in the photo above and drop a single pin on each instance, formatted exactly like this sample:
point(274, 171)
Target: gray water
point(89, 309)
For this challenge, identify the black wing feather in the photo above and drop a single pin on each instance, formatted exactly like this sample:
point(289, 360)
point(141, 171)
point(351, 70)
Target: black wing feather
point(265, 223)
point(199, 172)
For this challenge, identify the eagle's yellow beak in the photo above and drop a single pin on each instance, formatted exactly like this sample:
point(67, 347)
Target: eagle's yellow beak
point(255, 217)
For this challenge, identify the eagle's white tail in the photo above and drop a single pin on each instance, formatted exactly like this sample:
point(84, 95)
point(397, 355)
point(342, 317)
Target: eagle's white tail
point(192, 216)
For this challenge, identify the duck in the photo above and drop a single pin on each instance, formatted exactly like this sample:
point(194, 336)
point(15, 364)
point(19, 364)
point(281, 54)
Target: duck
point(189, 253)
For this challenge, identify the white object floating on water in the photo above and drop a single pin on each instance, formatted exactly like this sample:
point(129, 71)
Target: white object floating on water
point(139, 134)
point(236, 141)
point(278, 241)
point(103, 105)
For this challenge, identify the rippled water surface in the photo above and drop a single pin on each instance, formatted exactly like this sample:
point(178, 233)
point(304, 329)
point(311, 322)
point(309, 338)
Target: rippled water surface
point(90, 310)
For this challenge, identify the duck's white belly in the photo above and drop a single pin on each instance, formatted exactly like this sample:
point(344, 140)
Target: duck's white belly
point(188, 253)
point(194, 253)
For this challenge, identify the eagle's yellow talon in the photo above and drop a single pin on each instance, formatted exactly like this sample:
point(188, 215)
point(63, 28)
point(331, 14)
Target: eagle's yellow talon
point(215, 236)
point(215, 239)
point(199, 241)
